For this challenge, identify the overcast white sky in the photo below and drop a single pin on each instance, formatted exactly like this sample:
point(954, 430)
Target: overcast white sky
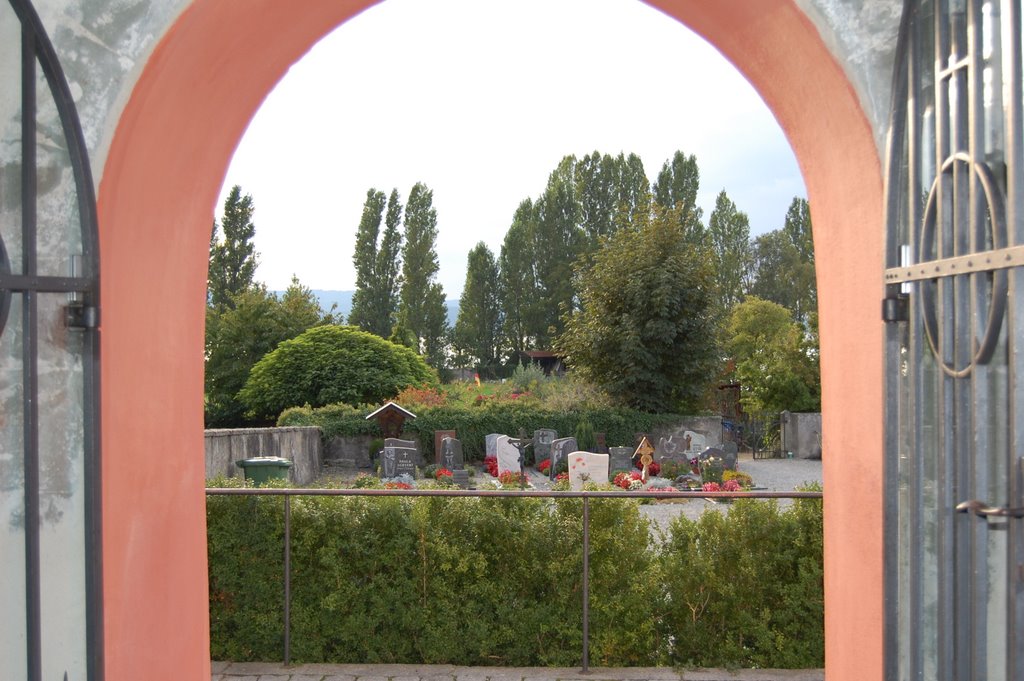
point(480, 100)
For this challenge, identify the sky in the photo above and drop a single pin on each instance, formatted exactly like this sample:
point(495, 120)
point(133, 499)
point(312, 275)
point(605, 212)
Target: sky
point(480, 101)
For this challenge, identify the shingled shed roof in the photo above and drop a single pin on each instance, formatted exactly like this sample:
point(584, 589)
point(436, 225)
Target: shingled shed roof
point(391, 406)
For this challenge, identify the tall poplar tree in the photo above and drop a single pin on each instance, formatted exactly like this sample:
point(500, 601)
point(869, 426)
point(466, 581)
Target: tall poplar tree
point(676, 187)
point(422, 310)
point(519, 296)
point(729, 232)
point(376, 261)
point(364, 259)
point(477, 332)
point(558, 241)
point(233, 259)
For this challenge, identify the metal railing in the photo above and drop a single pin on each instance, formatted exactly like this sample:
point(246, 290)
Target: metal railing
point(586, 495)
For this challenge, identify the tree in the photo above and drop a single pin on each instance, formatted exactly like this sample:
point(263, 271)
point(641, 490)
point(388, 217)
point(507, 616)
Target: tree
point(376, 261)
point(233, 260)
point(784, 270)
point(642, 330)
point(330, 364)
point(422, 309)
point(776, 360)
point(518, 287)
point(477, 331)
point(242, 333)
point(558, 240)
point(676, 187)
point(729, 232)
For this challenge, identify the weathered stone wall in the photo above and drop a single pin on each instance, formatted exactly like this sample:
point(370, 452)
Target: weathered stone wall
point(302, 446)
point(801, 434)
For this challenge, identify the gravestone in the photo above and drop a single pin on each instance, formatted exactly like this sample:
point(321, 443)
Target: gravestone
point(620, 458)
point(542, 439)
point(491, 444)
point(451, 454)
point(670, 446)
point(730, 454)
point(560, 450)
point(601, 440)
point(397, 460)
point(460, 477)
point(439, 436)
point(587, 467)
point(508, 455)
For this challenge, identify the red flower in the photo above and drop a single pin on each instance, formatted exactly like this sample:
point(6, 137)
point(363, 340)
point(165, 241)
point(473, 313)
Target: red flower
point(544, 466)
point(442, 473)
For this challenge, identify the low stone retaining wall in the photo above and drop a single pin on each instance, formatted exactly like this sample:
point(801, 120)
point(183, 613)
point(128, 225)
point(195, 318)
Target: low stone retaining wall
point(302, 446)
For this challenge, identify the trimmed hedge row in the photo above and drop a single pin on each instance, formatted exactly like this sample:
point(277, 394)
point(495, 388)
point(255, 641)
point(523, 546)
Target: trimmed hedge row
point(474, 423)
point(486, 581)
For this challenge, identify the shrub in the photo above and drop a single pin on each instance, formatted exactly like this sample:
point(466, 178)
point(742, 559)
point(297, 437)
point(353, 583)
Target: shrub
point(585, 435)
point(329, 364)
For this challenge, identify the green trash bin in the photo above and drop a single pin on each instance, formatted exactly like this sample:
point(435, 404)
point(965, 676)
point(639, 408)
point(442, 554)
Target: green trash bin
point(263, 468)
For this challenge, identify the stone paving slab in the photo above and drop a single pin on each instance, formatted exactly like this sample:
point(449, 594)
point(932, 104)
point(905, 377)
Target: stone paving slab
point(264, 671)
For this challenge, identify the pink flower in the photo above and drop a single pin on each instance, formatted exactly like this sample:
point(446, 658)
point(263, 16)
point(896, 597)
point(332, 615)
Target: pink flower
point(711, 487)
point(731, 486)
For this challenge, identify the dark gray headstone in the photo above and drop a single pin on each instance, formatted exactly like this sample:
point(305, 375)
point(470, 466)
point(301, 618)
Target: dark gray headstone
point(451, 454)
point(730, 454)
point(460, 477)
point(601, 440)
point(669, 447)
point(398, 460)
point(621, 458)
point(491, 444)
point(560, 449)
point(542, 439)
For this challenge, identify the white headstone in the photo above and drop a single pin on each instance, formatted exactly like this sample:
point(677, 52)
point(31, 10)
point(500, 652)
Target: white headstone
point(698, 442)
point(587, 467)
point(508, 456)
point(491, 444)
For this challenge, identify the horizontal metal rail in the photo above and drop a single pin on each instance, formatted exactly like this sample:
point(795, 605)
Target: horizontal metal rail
point(288, 492)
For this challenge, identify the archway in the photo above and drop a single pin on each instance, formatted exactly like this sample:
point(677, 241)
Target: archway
point(167, 158)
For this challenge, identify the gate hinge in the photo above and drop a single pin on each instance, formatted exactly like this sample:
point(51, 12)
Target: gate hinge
point(895, 309)
point(81, 316)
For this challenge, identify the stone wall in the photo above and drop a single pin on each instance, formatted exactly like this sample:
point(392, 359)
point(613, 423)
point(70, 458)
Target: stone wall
point(302, 446)
point(801, 434)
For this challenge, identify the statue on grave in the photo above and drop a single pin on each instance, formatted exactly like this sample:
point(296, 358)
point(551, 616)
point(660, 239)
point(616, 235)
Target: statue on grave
point(521, 443)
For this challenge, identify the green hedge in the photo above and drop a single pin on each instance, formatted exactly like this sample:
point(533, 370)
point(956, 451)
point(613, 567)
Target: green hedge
point(473, 424)
point(484, 581)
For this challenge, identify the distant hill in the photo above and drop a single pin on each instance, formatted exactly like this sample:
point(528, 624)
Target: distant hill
point(343, 299)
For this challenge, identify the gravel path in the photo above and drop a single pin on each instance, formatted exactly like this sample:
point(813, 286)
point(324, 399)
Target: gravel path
point(778, 475)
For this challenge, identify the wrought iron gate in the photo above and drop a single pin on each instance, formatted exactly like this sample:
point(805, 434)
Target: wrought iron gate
point(50, 619)
point(955, 311)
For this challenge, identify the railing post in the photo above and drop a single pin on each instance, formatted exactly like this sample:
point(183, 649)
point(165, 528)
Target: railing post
point(586, 585)
point(287, 579)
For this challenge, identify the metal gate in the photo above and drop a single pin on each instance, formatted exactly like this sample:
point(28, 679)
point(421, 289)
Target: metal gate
point(954, 307)
point(50, 596)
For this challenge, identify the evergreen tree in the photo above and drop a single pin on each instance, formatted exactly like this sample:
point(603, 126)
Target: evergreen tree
point(232, 260)
point(729, 232)
point(634, 201)
point(422, 309)
point(376, 261)
point(477, 332)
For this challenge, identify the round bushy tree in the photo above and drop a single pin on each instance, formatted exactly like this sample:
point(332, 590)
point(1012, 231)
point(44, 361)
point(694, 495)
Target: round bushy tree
point(330, 364)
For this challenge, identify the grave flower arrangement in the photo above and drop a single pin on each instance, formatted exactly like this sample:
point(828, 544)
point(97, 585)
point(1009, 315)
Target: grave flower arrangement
point(443, 475)
point(743, 479)
point(508, 478)
point(653, 469)
point(397, 485)
point(491, 463)
point(544, 466)
point(628, 481)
